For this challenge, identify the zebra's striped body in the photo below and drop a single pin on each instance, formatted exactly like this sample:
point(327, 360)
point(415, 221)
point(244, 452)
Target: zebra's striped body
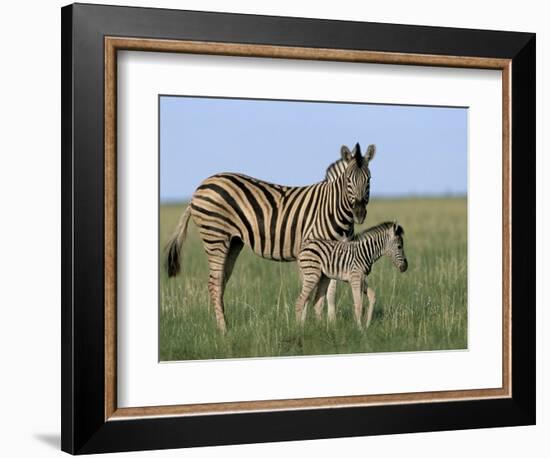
point(272, 220)
point(231, 210)
point(322, 260)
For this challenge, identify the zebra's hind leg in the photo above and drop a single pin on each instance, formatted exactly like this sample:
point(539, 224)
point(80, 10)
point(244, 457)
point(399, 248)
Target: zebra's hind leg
point(371, 295)
point(235, 248)
point(331, 300)
point(320, 296)
point(218, 253)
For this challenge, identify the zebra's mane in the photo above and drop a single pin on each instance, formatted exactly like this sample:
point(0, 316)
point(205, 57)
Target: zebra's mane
point(383, 227)
point(335, 169)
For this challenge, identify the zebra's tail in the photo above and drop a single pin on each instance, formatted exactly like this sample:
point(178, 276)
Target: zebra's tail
point(173, 247)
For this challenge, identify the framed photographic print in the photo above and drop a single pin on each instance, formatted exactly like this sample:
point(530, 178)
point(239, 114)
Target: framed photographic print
point(281, 228)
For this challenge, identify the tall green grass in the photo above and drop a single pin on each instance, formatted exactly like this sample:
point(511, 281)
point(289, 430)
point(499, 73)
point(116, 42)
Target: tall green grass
point(424, 308)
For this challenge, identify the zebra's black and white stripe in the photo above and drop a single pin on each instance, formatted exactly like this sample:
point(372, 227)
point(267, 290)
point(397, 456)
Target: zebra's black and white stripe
point(231, 210)
point(350, 261)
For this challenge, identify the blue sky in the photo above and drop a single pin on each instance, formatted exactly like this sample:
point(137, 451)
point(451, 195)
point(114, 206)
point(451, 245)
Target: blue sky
point(420, 150)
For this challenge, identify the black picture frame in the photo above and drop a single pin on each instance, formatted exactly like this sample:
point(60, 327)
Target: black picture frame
point(84, 428)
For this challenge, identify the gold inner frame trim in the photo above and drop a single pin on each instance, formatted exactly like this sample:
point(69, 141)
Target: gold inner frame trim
point(114, 44)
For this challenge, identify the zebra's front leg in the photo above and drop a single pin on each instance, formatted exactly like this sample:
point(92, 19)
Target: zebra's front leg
point(356, 283)
point(371, 295)
point(331, 300)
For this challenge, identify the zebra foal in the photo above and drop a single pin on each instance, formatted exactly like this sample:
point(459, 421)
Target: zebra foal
point(319, 261)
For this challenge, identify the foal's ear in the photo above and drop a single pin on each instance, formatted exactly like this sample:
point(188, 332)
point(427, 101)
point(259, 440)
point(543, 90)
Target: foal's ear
point(398, 229)
point(369, 154)
point(346, 153)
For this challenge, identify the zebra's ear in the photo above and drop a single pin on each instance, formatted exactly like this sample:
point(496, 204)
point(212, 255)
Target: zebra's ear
point(346, 153)
point(398, 229)
point(371, 151)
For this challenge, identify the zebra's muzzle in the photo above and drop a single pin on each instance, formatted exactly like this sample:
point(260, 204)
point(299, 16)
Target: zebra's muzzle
point(359, 213)
point(403, 266)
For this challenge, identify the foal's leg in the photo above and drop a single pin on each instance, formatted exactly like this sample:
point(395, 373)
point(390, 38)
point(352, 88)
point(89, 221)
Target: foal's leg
point(308, 284)
point(320, 296)
point(356, 283)
point(372, 300)
point(331, 300)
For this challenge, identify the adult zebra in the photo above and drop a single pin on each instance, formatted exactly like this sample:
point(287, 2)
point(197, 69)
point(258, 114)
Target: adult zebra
point(231, 210)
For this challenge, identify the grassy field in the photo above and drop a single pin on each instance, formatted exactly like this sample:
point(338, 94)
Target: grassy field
point(424, 308)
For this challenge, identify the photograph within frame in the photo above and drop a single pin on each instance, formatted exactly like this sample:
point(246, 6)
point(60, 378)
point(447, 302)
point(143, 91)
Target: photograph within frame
point(424, 167)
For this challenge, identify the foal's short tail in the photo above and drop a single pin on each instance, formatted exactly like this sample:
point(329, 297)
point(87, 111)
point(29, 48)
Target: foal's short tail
point(173, 247)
